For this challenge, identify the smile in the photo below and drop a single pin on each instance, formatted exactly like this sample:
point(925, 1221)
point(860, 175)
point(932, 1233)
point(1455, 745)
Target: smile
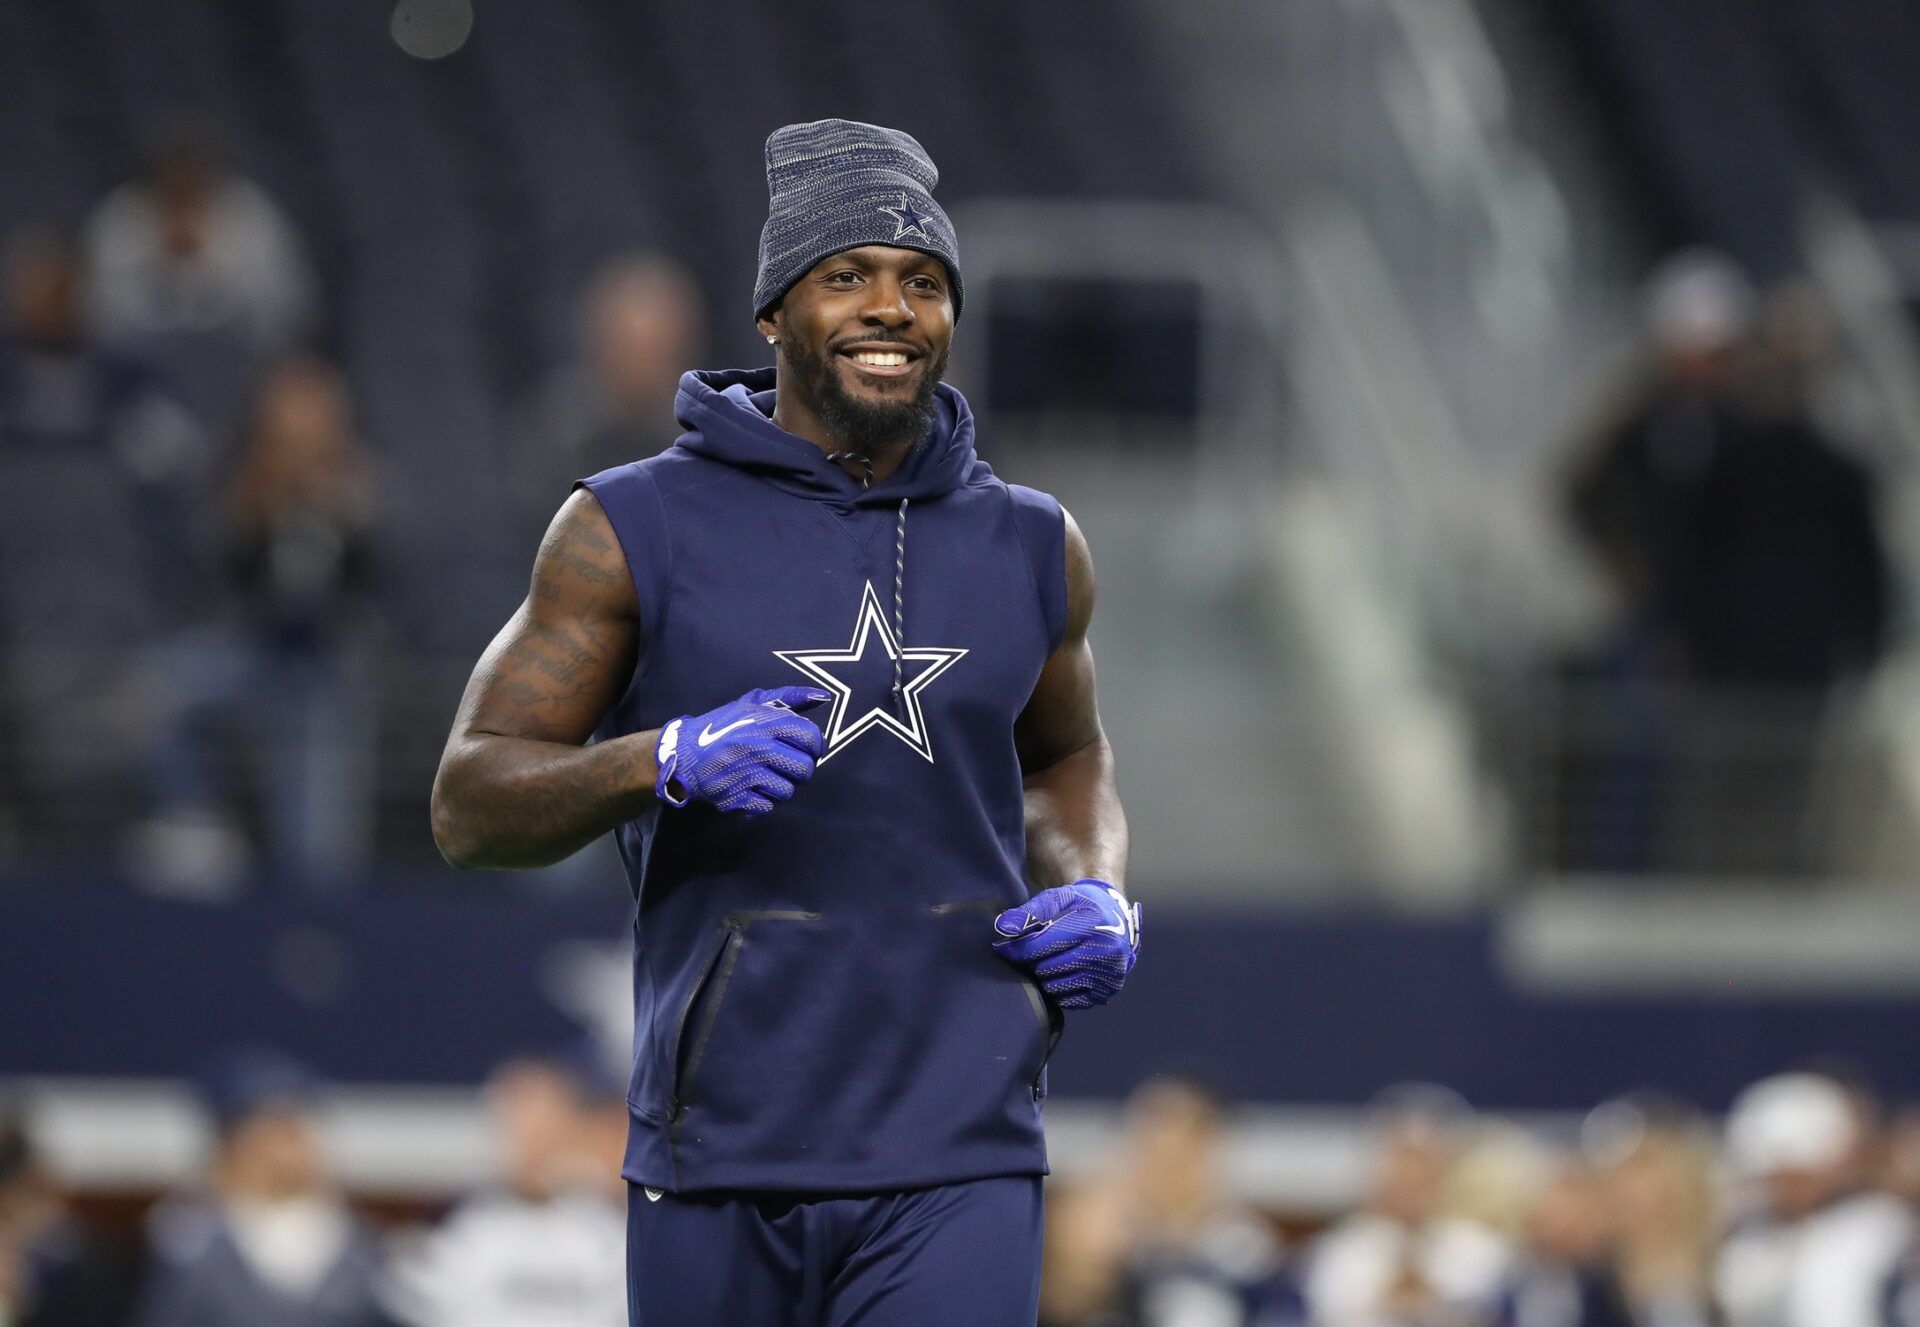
point(881, 363)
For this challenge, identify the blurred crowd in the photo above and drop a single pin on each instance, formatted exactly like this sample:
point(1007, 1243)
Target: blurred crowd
point(1800, 1209)
point(1799, 1212)
point(201, 555)
point(264, 1234)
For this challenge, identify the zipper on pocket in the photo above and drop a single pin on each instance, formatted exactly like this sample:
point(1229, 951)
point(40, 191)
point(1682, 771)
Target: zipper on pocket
point(685, 1060)
point(1053, 1024)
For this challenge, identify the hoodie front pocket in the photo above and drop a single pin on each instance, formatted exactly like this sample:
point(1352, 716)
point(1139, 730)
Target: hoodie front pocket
point(846, 1039)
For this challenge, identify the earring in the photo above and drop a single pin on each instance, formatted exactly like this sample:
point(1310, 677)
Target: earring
point(773, 340)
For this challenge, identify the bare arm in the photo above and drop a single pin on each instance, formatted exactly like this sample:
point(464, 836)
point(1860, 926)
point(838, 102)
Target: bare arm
point(516, 786)
point(1075, 826)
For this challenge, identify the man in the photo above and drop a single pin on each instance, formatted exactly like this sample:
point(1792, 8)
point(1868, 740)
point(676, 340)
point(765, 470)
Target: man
point(270, 1240)
point(542, 1247)
point(1819, 1247)
point(836, 1086)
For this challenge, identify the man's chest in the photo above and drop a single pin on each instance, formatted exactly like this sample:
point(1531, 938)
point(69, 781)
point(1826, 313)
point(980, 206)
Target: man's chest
point(907, 637)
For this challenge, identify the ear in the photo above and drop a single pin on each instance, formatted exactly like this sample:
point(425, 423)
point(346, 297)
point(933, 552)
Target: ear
point(769, 325)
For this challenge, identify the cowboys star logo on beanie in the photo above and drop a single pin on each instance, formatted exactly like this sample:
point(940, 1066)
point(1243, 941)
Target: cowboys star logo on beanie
point(834, 185)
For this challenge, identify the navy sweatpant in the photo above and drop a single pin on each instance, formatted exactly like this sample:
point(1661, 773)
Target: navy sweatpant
point(960, 1255)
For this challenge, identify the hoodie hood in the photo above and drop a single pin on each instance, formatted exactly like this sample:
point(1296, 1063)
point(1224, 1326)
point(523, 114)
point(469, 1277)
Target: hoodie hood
point(728, 417)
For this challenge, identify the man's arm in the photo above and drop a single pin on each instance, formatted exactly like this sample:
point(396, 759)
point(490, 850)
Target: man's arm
point(516, 786)
point(1075, 827)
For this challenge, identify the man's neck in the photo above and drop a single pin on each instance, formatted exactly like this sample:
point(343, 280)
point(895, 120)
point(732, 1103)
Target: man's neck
point(804, 422)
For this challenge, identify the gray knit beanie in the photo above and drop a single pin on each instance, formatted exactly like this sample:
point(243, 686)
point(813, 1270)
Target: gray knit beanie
point(834, 185)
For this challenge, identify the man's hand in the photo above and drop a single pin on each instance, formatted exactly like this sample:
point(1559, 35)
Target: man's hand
point(744, 756)
point(1078, 941)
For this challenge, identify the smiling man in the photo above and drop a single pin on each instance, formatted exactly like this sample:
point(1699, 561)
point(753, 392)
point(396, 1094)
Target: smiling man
point(838, 678)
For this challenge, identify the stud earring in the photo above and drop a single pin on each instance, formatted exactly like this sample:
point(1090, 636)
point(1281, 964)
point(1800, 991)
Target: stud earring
point(773, 340)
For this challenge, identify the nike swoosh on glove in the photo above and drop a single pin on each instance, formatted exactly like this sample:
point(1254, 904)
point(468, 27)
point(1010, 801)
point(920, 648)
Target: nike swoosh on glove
point(1078, 941)
point(744, 756)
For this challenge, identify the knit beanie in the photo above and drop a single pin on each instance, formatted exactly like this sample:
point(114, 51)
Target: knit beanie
point(834, 185)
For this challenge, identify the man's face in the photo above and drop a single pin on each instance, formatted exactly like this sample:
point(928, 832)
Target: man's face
point(864, 336)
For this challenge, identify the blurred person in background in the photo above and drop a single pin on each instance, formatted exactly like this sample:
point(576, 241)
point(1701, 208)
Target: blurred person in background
point(1088, 1230)
point(1816, 1245)
point(1634, 491)
point(1656, 1168)
point(1564, 1276)
point(69, 403)
point(546, 1249)
point(109, 549)
point(642, 321)
point(1749, 579)
point(1632, 497)
point(1405, 1260)
point(269, 1239)
point(297, 609)
point(1196, 1257)
point(197, 268)
point(53, 1271)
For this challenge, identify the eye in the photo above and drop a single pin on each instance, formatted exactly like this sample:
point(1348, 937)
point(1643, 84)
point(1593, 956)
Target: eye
point(845, 276)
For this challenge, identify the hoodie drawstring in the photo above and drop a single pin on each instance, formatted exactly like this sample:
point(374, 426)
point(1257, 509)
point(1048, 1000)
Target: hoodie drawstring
point(899, 565)
point(899, 594)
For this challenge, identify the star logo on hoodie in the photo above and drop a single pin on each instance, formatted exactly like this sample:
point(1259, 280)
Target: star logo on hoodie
point(857, 669)
point(907, 221)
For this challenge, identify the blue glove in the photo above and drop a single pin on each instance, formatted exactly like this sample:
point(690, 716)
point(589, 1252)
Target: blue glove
point(744, 756)
point(1078, 941)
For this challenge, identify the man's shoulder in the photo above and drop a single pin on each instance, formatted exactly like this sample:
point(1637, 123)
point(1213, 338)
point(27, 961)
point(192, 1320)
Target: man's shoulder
point(1026, 499)
point(661, 473)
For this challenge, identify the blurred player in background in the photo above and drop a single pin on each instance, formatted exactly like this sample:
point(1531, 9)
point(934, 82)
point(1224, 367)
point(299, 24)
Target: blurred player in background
point(270, 1240)
point(545, 1249)
point(837, 1085)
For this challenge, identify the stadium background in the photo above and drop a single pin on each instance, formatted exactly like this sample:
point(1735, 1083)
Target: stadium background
point(1335, 322)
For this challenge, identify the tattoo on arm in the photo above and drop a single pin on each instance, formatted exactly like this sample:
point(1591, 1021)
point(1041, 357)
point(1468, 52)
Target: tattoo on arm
point(516, 785)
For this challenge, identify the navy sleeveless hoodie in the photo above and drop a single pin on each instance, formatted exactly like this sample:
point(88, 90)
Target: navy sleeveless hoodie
point(817, 1002)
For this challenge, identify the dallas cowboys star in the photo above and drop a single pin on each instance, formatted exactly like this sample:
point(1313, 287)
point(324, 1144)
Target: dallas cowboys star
point(840, 697)
point(870, 631)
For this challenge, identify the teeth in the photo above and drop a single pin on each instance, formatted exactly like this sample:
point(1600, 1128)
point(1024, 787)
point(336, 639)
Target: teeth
point(880, 358)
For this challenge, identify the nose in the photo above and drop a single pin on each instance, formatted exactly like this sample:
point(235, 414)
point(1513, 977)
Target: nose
point(887, 304)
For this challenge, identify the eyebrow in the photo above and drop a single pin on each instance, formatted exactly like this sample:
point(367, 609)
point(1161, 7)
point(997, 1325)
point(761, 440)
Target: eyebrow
point(918, 264)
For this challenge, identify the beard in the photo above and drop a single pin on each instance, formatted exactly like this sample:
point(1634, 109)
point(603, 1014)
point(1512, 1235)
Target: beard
point(864, 426)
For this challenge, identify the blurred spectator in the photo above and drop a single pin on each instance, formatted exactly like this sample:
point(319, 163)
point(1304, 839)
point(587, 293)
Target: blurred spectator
point(642, 324)
point(549, 1248)
point(1634, 493)
point(1405, 1260)
point(1564, 1277)
point(299, 580)
point(1197, 1258)
point(1082, 1283)
point(68, 402)
point(1632, 499)
point(1744, 558)
point(53, 1273)
point(197, 268)
point(1657, 1183)
point(270, 1241)
point(1817, 1247)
